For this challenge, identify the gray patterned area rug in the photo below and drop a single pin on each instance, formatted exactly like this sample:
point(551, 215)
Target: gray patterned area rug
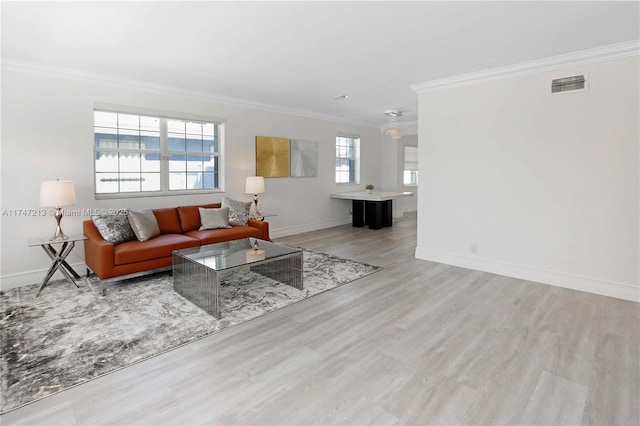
point(68, 336)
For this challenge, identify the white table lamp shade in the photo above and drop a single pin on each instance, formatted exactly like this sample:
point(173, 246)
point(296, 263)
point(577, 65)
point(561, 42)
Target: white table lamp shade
point(255, 185)
point(57, 193)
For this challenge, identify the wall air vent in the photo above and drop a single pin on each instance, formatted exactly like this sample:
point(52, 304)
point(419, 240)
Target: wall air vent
point(566, 84)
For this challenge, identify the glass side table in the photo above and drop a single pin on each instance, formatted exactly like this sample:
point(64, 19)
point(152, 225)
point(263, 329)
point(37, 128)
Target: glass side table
point(58, 257)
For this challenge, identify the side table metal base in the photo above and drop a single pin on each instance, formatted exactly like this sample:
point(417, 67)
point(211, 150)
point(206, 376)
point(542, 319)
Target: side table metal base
point(58, 260)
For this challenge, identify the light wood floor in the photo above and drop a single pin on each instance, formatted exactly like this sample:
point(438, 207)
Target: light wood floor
point(417, 343)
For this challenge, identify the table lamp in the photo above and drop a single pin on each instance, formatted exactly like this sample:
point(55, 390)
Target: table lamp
point(255, 186)
point(57, 193)
point(255, 254)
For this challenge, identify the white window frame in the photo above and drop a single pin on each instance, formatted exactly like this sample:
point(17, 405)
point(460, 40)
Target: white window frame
point(410, 166)
point(355, 158)
point(164, 153)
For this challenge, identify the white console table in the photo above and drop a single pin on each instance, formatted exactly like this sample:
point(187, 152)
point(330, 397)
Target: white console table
point(374, 209)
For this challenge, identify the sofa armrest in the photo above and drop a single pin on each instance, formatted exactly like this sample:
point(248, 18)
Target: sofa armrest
point(98, 253)
point(261, 225)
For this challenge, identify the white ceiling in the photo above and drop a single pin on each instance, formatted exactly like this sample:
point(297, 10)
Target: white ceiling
point(298, 55)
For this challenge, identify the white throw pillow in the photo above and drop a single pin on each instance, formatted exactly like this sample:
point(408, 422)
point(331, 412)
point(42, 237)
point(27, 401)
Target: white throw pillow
point(214, 218)
point(144, 224)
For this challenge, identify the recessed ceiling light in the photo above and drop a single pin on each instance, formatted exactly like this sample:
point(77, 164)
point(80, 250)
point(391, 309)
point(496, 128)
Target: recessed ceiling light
point(340, 97)
point(393, 113)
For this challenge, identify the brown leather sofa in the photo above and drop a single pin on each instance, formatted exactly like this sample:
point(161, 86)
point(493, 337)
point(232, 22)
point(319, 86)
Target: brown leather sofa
point(179, 229)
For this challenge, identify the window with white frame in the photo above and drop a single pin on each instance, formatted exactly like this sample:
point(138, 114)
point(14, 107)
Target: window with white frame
point(347, 159)
point(410, 165)
point(154, 155)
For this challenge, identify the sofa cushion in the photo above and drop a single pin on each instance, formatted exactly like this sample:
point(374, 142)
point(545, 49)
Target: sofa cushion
point(238, 211)
point(190, 216)
point(160, 246)
point(168, 220)
point(114, 228)
point(144, 224)
point(214, 218)
point(211, 236)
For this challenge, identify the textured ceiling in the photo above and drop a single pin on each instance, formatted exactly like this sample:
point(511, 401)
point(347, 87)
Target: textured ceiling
point(298, 55)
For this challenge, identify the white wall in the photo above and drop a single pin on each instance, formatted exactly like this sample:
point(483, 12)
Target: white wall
point(47, 133)
point(546, 186)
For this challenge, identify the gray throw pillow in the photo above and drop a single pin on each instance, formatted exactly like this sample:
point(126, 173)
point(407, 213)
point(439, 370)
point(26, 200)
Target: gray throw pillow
point(214, 218)
point(144, 224)
point(238, 211)
point(114, 228)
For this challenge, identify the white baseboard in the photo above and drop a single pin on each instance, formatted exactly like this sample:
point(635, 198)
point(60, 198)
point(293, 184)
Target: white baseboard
point(35, 277)
point(308, 227)
point(559, 279)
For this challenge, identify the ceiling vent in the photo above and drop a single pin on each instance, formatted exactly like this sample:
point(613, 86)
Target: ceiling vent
point(566, 84)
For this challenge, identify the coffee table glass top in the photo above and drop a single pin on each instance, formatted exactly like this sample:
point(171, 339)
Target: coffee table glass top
point(232, 254)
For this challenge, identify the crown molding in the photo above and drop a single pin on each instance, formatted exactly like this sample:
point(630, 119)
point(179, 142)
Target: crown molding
point(606, 53)
point(33, 68)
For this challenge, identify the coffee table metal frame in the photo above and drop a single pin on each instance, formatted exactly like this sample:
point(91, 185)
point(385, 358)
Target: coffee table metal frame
point(197, 272)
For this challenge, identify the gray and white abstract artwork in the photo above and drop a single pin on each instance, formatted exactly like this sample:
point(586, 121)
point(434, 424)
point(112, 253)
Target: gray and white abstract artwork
point(304, 158)
point(67, 336)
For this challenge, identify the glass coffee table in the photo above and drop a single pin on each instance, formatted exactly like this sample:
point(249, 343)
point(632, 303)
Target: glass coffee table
point(197, 271)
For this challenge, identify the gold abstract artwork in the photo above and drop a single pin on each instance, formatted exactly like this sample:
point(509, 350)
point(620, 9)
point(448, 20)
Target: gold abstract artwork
point(272, 156)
